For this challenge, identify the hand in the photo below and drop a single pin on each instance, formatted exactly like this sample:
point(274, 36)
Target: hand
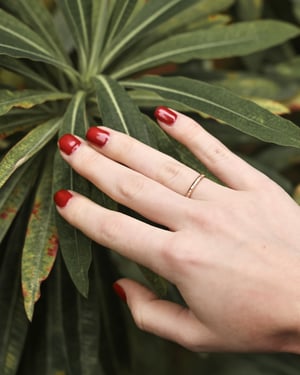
point(232, 251)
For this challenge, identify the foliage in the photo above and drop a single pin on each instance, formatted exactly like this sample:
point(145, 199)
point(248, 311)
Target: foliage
point(87, 62)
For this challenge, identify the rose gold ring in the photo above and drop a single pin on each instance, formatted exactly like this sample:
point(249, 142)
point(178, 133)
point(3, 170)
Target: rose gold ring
point(194, 185)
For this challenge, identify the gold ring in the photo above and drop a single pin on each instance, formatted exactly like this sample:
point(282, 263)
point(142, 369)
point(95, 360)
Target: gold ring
point(194, 185)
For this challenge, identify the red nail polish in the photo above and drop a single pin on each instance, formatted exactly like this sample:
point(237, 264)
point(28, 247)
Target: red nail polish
point(62, 197)
point(68, 143)
point(165, 115)
point(119, 292)
point(97, 136)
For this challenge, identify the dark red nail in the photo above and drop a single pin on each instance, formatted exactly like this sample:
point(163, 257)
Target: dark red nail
point(68, 143)
point(62, 197)
point(119, 292)
point(97, 136)
point(165, 115)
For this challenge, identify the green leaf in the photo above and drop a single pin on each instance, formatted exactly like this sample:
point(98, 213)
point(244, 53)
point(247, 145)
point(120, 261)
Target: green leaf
point(27, 147)
point(120, 16)
point(235, 40)
point(115, 351)
point(55, 354)
point(118, 110)
point(82, 328)
point(296, 9)
point(14, 193)
point(13, 323)
point(41, 243)
point(27, 98)
point(288, 69)
point(101, 14)
point(78, 13)
point(251, 85)
point(75, 247)
point(18, 40)
point(21, 68)
point(38, 18)
point(191, 17)
point(248, 10)
point(210, 22)
point(151, 15)
point(225, 106)
point(150, 100)
point(21, 120)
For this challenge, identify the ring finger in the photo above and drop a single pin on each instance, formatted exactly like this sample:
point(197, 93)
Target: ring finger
point(151, 163)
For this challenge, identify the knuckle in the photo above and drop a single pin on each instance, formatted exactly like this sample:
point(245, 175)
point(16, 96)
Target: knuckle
point(179, 256)
point(193, 133)
point(216, 152)
point(87, 161)
point(131, 187)
point(170, 252)
point(199, 217)
point(169, 171)
point(138, 317)
point(109, 229)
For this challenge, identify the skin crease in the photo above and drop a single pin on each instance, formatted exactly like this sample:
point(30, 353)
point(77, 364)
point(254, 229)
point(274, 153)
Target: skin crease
point(233, 251)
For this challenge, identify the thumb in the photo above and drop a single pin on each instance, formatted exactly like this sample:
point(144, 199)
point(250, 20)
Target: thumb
point(164, 318)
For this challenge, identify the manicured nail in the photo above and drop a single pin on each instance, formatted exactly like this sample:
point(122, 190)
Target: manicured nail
point(62, 197)
point(97, 136)
point(119, 292)
point(165, 115)
point(68, 143)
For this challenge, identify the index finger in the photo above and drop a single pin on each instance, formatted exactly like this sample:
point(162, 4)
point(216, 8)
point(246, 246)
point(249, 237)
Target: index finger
point(131, 238)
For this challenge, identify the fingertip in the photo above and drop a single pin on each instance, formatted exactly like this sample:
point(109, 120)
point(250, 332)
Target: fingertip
point(97, 136)
point(132, 290)
point(120, 292)
point(62, 198)
point(68, 143)
point(165, 116)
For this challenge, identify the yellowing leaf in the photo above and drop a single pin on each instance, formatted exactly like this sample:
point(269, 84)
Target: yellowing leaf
point(27, 147)
point(271, 105)
point(27, 98)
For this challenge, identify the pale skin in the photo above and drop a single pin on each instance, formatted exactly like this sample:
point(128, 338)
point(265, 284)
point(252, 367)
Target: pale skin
point(232, 250)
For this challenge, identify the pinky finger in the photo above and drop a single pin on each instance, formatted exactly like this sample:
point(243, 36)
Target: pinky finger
point(165, 319)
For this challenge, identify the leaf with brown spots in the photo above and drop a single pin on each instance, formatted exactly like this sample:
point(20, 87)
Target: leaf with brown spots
point(41, 243)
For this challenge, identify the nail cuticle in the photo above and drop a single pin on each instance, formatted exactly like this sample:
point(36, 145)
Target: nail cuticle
point(97, 136)
point(62, 197)
point(120, 292)
point(165, 115)
point(68, 144)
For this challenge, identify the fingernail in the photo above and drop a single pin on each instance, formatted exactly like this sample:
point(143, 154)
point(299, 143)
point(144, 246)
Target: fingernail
point(62, 197)
point(68, 143)
point(165, 115)
point(97, 136)
point(119, 292)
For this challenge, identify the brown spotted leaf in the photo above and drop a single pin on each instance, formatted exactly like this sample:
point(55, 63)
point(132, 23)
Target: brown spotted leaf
point(41, 243)
point(14, 193)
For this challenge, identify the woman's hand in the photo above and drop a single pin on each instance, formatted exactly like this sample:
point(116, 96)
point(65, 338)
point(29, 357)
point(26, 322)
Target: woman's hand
point(232, 251)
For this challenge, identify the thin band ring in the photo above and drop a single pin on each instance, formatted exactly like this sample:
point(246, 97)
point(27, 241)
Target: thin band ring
point(194, 185)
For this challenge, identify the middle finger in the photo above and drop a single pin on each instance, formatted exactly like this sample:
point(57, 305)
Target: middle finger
point(128, 187)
